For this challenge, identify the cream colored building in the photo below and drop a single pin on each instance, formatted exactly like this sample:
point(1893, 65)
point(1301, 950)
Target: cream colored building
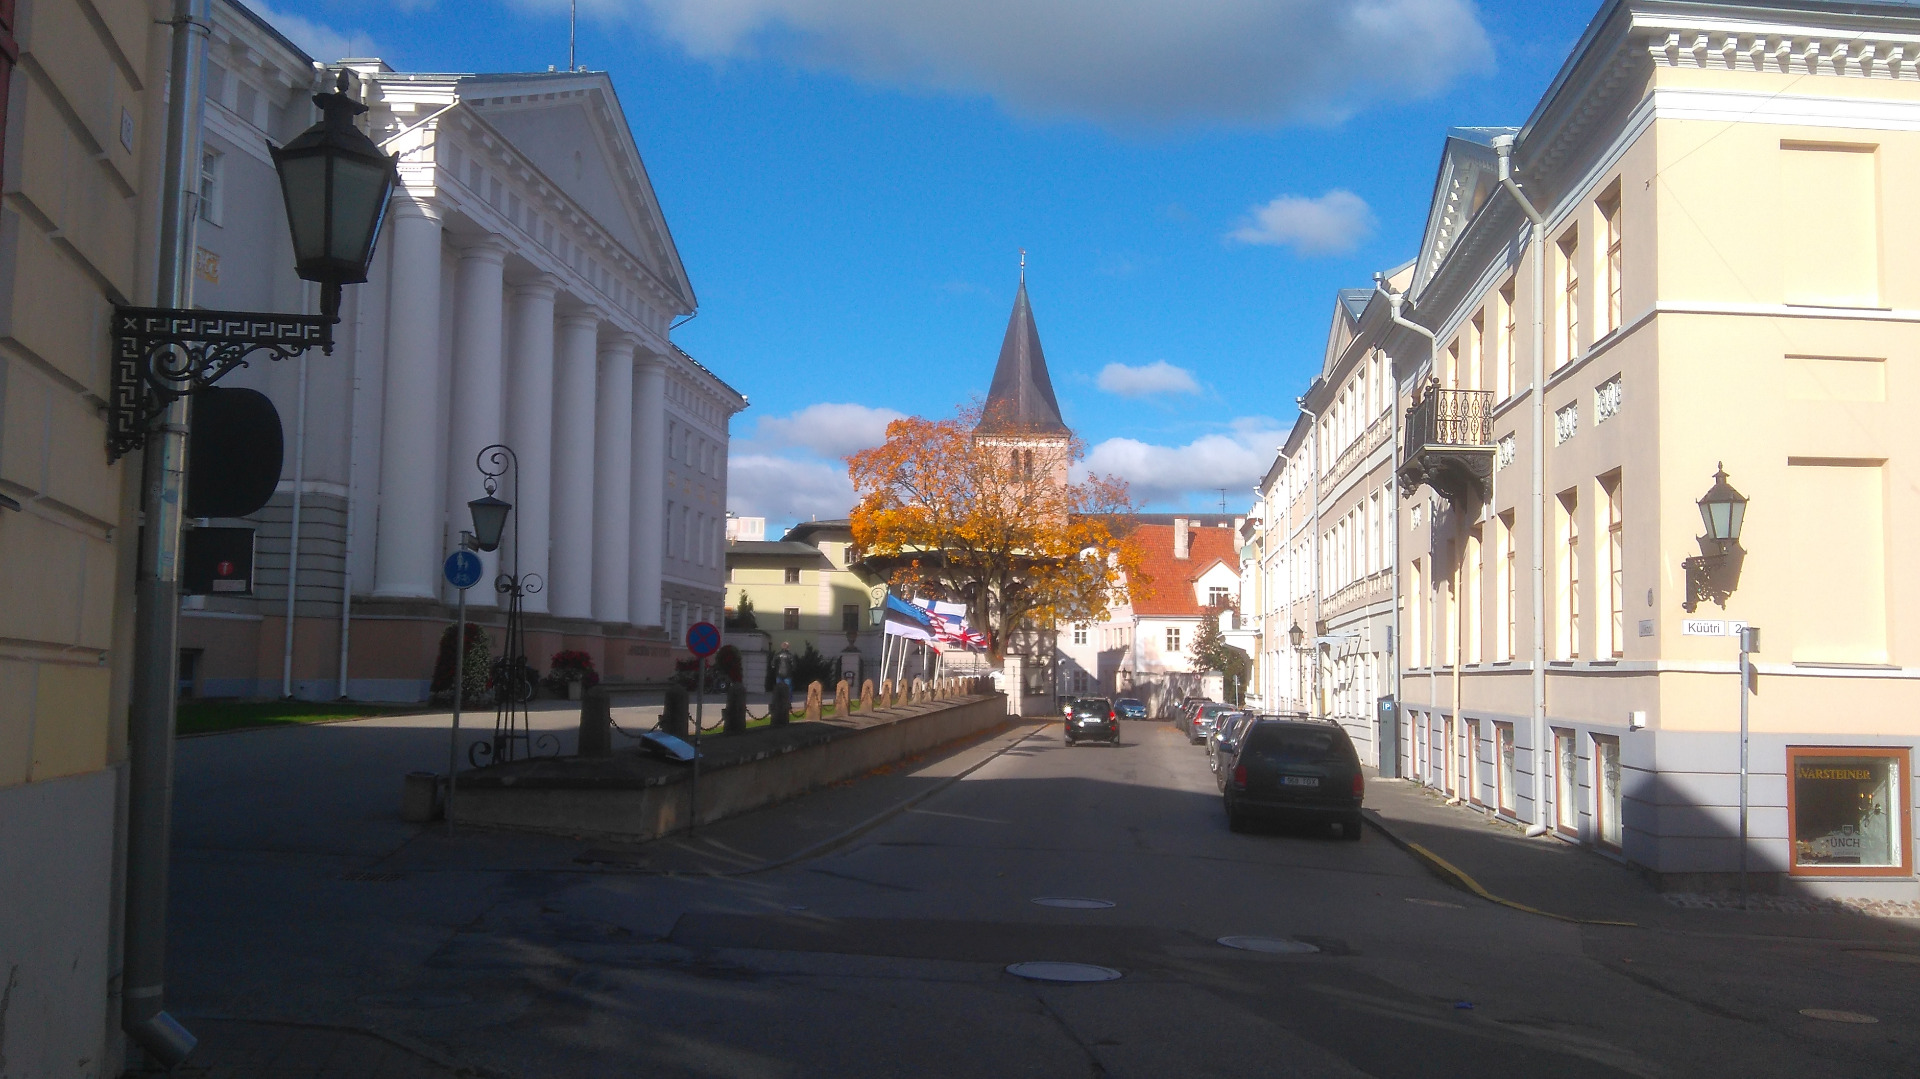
point(1727, 197)
point(805, 590)
point(84, 132)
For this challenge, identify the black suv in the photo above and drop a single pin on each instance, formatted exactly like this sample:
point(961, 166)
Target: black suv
point(1092, 719)
point(1295, 768)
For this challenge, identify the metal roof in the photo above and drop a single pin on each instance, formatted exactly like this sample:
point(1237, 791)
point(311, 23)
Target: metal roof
point(1020, 400)
point(783, 548)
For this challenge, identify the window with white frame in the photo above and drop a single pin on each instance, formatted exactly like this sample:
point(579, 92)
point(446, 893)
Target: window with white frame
point(1080, 633)
point(212, 186)
point(1173, 639)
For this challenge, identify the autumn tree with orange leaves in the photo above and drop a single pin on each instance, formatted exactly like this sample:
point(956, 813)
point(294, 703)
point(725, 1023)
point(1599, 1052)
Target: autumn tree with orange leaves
point(994, 523)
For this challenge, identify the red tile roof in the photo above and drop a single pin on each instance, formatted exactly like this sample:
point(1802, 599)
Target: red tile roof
point(1173, 578)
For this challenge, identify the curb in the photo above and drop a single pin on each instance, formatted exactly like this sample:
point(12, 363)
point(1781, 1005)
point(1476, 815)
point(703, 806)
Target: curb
point(849, 835)
point(1458, 877)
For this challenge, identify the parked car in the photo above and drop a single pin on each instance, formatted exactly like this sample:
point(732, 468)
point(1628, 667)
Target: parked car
point(1182, 713)
point(1203, 719)
point(1092, 719)
point(1295, 768)
point(1129, 708)
point(1228, 729)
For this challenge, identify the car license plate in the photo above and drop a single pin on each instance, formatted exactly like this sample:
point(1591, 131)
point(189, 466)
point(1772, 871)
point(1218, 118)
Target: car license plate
point(1299, 781)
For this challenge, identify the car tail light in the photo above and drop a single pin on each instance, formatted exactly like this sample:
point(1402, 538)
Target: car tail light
point(1113, 715)
point(1240, 775)
point(1359, 785)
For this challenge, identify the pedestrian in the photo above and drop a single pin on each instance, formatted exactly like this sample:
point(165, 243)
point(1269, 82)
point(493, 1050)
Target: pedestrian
point(783, 665)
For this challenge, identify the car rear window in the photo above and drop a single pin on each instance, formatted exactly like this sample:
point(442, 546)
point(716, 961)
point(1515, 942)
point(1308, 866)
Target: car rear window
point(1298, 743)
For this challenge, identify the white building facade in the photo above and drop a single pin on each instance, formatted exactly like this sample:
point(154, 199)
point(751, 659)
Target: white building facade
point(522, 294)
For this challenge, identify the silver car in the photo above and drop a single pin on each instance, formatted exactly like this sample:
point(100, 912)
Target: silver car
point(1201, 721)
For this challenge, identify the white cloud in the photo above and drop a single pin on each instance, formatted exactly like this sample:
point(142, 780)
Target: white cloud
point(830, 430)
point(323, 43)
point(1147, 380)
point(1333, 224)
point(1153, 63)
point(784, 489)
point(1234, 459)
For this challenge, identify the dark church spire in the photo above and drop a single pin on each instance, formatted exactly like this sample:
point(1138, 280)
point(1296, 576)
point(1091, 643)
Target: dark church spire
point(1020, 401)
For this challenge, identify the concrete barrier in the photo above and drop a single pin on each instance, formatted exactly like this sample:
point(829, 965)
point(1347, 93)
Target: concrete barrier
point(634, 798)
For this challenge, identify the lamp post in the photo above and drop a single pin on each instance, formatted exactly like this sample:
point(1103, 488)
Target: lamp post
point(161, 357)
point(1297, 637)
point(512, 678)
point(1724, 512)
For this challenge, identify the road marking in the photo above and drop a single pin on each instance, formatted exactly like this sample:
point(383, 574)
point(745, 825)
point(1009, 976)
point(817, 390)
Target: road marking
point(1269, 945)
point(1830, 1015)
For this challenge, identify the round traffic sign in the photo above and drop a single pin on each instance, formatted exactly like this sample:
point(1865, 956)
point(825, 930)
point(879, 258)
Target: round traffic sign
point(703, 638)
point(463, 569)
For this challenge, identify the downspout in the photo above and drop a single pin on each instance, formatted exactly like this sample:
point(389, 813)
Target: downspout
point(1313, 464)
point(293, 535)
point(1536, 511)
point(346, 554)
point(1395, 300)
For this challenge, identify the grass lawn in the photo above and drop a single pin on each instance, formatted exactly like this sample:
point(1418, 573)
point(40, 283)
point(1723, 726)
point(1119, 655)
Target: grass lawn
point(206, 717)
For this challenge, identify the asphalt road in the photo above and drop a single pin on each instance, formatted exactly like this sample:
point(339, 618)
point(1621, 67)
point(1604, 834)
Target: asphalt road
point(306, 900)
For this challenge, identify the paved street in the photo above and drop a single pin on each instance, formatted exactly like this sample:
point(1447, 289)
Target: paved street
point(301, 899)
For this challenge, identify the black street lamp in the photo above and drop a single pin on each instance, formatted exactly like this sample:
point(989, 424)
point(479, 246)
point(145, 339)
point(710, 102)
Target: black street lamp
point(489, 520)
point(1712, 574)
point(336, 183)
point(1297, 635)
point(511, 674)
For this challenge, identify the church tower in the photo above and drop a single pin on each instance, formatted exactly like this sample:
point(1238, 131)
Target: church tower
point(1021, 413)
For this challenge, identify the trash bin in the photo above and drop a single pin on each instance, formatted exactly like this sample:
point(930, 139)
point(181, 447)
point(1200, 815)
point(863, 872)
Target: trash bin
point(420, 798)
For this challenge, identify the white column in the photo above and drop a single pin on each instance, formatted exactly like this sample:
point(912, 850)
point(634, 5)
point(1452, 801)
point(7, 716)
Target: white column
point(406, 546)
point(649, 486)
point(476, 418)
point(613, 480)
point(530, 427)
point(575, 482)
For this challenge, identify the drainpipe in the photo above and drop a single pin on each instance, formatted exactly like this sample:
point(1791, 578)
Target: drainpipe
point(150, 722)
point(1395, 301)
point(1313, 634)
point(1536, 512)
point(293, 535)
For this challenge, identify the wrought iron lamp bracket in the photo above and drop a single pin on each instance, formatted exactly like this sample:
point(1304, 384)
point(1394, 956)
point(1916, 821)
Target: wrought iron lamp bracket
point(161, 354)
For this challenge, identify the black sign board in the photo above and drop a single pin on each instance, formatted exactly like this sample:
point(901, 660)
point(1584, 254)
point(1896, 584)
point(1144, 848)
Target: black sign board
point(233, 452)
point(217, 561)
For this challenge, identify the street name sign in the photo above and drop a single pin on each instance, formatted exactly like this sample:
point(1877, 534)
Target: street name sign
point(1711, 627)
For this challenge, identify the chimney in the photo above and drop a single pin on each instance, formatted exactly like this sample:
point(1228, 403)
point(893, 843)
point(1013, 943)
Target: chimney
point(1239, 530)
point(1180, 537)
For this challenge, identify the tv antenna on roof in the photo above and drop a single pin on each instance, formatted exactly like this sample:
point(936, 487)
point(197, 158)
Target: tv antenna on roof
point(1223, 511)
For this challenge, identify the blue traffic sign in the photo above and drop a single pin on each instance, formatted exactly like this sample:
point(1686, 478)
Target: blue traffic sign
point(703, 638)
point(463, 569)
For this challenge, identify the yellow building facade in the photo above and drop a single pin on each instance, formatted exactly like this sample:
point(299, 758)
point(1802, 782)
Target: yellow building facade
point(84, 134)
point(1725, 206)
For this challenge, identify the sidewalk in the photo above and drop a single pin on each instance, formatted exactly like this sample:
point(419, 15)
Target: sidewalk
point(1547, 874)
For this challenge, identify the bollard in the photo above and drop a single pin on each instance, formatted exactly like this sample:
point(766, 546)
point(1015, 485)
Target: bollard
point(840, 694)
point(596, 723)
point(866, 695)
point(780, 709)
point(673, 717)
point(420, 798)
point(733, 716)
point(813, 702)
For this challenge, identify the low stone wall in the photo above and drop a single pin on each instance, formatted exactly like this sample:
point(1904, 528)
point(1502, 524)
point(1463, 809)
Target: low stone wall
point(634, 797)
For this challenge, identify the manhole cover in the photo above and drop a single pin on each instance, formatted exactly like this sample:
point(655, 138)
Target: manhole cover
point(1829, 1015)
point(1269, 945)
point(1073, 903)
point(1062, 972)
point(1436, 903)
point(415, 1000)
point(1891, 957)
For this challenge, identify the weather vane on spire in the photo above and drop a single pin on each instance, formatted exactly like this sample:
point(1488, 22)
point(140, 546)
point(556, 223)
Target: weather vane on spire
point(1023, 265)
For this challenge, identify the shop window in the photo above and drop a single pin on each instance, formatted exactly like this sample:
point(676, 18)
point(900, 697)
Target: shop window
point(1847, 811)
point(1566, 775)
point(791, 619)
point(1606, 775)
point(1503, 766)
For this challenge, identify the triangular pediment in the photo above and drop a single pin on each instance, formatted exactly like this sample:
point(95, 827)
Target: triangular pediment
point(571, 128)
point(1469, 176)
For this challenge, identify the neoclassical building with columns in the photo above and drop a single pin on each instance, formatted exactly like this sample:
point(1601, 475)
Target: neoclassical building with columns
point(522, 293)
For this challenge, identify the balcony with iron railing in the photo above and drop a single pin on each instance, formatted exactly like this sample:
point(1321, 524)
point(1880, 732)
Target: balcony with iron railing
point(1449, 444)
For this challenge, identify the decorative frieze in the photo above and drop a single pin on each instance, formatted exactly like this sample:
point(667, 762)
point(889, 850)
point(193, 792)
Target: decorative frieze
point(1856, 56)
point(1606, 400)
point(1503, 452)
point(1566, 422)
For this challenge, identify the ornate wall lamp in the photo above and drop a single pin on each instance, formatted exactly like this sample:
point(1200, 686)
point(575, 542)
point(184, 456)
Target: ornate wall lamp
point(336, 183)
point(1715, 571)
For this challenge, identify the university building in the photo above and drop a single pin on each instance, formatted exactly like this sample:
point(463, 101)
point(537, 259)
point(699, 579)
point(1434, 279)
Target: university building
point(522, 294)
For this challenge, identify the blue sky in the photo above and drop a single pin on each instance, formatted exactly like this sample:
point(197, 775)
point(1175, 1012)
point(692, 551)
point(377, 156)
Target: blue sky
point(849, 183)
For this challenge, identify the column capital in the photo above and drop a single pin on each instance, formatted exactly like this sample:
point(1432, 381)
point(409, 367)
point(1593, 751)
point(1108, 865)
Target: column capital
point(488, 248)
point(618, 341)
point(647, 359)
point(582, 317)
point(409, 206)
point(540, 286)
